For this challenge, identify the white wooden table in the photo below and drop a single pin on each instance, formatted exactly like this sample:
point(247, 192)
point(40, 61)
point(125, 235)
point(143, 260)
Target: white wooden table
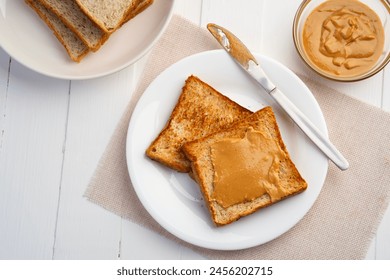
point(53, 132)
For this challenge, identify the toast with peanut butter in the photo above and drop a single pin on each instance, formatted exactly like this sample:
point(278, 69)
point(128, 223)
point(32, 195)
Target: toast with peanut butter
point(200, 110)
point(243, 168)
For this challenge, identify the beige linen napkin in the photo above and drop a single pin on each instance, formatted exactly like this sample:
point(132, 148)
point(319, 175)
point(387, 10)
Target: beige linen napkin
point(348, 211)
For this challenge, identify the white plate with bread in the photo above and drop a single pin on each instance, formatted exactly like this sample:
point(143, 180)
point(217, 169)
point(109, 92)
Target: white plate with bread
point(173, 198)
point(81, 46)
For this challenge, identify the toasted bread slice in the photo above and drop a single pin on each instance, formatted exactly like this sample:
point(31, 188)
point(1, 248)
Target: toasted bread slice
point(74, 46)
point(200, 110)
point(74, 18)
point(199, 152)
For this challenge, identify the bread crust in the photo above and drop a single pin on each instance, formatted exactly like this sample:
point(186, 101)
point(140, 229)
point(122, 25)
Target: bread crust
point(65, 36)
point(134, 8)
point(199, 154)
point(97, 36)
point(199, 111)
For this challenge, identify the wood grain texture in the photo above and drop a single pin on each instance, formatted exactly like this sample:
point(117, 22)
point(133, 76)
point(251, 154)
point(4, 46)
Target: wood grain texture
point(84, 230)
point(4, 78)
point(31, 162)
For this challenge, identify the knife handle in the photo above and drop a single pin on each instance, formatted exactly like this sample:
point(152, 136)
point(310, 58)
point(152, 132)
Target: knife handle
point(310, 130)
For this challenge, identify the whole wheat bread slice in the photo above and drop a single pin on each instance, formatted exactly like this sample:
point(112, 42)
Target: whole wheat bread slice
point(200, 110)
point(199, 153)
point(74, 46)
point(112, 14)
point(76, 20)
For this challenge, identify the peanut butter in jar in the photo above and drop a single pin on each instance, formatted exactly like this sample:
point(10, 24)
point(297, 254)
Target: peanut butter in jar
point(343, 37)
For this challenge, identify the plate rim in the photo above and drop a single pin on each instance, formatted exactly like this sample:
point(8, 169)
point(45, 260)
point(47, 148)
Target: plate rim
point(155, 215)
point(110, 71)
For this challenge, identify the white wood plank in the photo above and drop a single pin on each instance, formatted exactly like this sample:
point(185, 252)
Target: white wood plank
point(276, 34)
point(4, 76)
point(383, 240)
point(386, 89)
point(131, 234)
point(236, 17)
point(188, 254)
point(371, 253)
point(85, 231)
point(190, 10)
point(30, 163)
point(153, 245)
point(139, 243)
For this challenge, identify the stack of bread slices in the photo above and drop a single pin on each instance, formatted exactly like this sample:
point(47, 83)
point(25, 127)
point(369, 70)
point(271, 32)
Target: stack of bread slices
point(83, 26)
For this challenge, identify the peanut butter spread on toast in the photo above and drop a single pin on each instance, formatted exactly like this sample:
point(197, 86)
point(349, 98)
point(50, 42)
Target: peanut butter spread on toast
point(246, 168)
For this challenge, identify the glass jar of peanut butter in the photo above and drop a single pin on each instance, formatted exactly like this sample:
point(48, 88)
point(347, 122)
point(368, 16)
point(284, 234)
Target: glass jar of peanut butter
point(344, 40)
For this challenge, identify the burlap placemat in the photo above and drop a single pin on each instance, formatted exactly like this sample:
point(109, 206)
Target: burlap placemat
point(348, 211)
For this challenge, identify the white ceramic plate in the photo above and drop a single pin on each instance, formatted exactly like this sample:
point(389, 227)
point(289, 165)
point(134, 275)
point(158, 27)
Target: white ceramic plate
point(26, 38)
point(174, 200)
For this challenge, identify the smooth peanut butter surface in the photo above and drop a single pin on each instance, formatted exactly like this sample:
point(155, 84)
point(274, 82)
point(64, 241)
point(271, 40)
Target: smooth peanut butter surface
point(246, 168)
point(343, 37)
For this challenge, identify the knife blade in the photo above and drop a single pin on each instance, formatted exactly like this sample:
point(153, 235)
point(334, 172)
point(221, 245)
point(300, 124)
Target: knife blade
point(241, 54)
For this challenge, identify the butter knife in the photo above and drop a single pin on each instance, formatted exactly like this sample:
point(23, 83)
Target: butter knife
point(247, 61)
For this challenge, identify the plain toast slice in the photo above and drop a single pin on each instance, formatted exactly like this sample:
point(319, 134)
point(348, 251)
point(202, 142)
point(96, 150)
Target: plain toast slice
point(200, 110)
point(112, 14)
point(199, 152)
point(73, 17)
point(74, 46)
